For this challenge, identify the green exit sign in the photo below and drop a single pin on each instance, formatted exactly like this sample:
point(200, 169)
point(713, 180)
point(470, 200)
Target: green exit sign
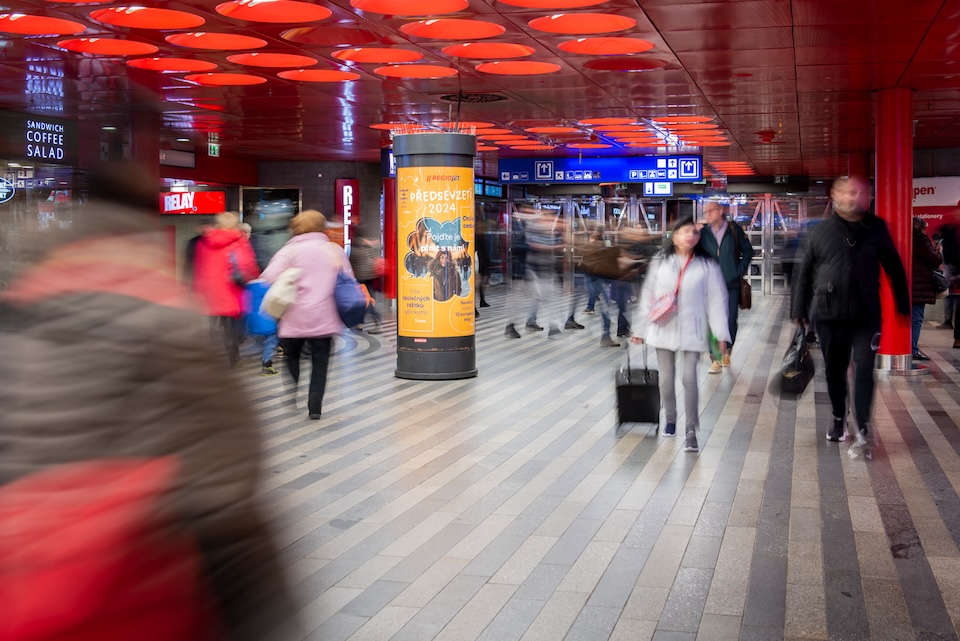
point(213, 149)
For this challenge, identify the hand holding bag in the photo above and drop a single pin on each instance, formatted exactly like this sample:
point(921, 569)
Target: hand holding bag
point(796, 371)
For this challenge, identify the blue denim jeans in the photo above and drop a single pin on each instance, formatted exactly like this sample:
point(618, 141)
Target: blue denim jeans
point(917, 321)
point(270, 343)
point(593, 289)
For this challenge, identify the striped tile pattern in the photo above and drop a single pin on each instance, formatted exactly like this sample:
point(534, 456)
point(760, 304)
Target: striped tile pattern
point(510, 507)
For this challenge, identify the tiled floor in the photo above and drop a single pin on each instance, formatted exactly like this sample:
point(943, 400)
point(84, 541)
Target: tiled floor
point(509, 506)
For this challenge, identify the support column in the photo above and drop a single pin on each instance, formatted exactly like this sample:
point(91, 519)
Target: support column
point(435, 248)
point(145, 141)
point(894, 204)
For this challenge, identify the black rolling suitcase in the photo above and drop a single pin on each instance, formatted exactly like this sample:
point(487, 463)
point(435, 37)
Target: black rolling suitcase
point(638, 393)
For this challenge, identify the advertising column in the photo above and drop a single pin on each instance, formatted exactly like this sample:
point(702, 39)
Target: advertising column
point(435, 250)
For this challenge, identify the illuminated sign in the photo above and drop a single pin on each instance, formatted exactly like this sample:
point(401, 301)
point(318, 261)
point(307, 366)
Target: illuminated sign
point(7, 190)
point(610, 169)
point(347, 201)
point(193, 202)
point(657, 189)
point(174, 158)
point(435, 261)
point(38, 138)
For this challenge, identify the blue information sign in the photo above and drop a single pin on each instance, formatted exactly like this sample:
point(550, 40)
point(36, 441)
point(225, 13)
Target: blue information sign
point(612, 169)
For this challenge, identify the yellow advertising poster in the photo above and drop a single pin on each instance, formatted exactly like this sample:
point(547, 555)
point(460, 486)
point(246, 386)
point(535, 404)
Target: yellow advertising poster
point(435, 261)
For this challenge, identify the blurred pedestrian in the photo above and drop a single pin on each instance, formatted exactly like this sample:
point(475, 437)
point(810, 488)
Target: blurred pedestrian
point(729, 245)
point(224, 264)
point(368, 268)
point(839, 273)
point(683, 301)
point(312, 320)
point(541, 240)
point(926, 258)
point(108, 374)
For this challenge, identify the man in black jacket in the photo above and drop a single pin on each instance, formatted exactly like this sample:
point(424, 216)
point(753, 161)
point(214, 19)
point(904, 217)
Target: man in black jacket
point(839, 271)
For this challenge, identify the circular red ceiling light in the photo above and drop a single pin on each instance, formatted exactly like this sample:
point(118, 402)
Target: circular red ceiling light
point(608, 121)
point(605, 46)
point(387, 126)
point(318, 75)
point(582, 23)
point(225, 79)
point(676, 120)
point(532, 147)
point(379, 55)
point(623, 129)
point(690, 126)
point(644, 145)
point(147, 18)
point(493, 132)
point(272, 60)
point(215, 41)
point(487, 148)
point(465, 124)
point(553, 130)
point(25, 25)
point(488, 50)
point(336, 36)
point(273, 11)
point(711, 143)
point(553, 4)
point(524, 143)
point(415, 71)
point(588, 145)
point(407, 8)
point(518, 68)
point(502, 137)
point(171, 65)
point(452, 29)
point(625, 64)
point(108, 47)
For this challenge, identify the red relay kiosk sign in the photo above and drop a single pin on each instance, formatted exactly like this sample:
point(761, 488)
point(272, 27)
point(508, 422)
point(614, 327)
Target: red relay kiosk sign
point(192, 202)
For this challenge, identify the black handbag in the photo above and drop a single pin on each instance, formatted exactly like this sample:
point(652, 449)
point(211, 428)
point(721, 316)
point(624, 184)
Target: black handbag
point(796, 371)
point(940, 281)
point(638, 393)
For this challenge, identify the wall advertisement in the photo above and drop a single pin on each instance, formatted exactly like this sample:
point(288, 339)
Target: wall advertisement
point(435, 261)
point(937, 200)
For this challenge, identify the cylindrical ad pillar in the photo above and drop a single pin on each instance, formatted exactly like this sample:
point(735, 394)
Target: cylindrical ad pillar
point(435, 256)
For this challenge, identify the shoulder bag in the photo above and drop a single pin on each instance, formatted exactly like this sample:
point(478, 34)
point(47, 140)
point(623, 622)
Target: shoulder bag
point(349, 295)
point(282, 293)
point(665, 307)
point(746, 292)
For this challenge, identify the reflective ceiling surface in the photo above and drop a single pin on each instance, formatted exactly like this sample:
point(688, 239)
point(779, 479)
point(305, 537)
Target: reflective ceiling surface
point(785, 86)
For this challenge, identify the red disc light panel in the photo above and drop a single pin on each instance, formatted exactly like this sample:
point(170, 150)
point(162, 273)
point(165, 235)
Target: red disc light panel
point(426, 72)
point(25, 25)
point(275, 11)
point(582, 23)
point(408, 8)
point(518, 68)
point(215, 41)
point(452, 29)
point(377, 55)
point(556, 5)
point(554, 130)
point(225, 79)
point(488, 50)
point(171, 65)
point(272, 60)
point(147, 18)
point(606, 46)
point(318, 75)
point(107, 47)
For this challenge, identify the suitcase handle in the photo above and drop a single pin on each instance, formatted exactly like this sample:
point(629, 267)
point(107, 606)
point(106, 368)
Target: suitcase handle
point(628, 360)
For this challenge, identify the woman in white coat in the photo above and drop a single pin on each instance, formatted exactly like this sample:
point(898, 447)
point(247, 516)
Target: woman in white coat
point(684, 299)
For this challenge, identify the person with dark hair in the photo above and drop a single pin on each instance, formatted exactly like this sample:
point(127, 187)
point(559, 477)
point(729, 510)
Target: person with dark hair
point(108, 369)
point(446, 277)
point(926, 258)
point(364, 259)
point(839, 273)
point(729, 245)
point(683, 300)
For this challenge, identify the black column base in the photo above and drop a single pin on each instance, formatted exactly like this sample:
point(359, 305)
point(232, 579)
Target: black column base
point(436, 359)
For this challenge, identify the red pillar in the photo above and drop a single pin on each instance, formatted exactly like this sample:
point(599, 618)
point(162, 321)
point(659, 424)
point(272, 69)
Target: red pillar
point(390, 238)
point(894, 180)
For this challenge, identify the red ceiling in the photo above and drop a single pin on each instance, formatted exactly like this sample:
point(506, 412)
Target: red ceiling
point(806, 70)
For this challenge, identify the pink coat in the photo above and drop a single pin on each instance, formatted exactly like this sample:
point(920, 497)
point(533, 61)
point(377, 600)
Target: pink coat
point(212, 271)
point(314, 314)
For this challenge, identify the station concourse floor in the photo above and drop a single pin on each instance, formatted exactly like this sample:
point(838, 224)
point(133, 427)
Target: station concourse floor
point(510, 507)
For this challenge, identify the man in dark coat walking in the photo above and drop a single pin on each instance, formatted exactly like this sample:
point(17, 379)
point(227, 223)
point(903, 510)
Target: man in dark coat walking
point(926, 258)
point(840, 267)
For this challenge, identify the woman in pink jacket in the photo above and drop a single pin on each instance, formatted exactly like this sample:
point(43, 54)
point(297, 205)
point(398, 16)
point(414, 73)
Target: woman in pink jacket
point(312, 319)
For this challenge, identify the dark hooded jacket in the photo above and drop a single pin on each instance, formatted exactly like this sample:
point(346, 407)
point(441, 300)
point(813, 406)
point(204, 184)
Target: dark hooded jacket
point(839, 271)
point(926, 258)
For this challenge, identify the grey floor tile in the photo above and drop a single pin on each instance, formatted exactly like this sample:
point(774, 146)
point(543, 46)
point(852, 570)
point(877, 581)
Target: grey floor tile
point(513, 620)
point(593, 623)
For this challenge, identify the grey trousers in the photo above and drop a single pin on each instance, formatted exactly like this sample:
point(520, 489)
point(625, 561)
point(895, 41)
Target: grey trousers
point(666, 361)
